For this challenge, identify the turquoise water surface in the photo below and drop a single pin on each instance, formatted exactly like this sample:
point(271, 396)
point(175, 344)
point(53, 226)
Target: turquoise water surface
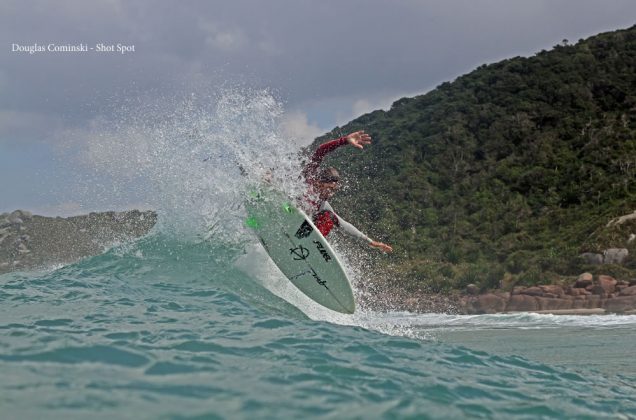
point(164, 329)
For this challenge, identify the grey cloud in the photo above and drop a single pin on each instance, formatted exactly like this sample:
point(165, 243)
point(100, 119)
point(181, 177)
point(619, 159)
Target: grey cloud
point(307, 48)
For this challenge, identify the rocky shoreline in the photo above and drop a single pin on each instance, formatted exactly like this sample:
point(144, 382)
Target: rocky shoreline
point(30, 242)
point(536, 299)
point(589, 294)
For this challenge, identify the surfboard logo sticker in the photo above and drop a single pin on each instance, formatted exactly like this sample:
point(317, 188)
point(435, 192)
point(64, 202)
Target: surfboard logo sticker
point(304, 230)
point(299, 253)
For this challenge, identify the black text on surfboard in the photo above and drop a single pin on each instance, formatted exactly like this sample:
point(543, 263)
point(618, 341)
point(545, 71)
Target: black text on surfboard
point(314, 275)
point(323, 251)
point(318, 279)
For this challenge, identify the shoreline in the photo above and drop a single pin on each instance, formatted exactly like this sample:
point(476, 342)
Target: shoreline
point(588, 295)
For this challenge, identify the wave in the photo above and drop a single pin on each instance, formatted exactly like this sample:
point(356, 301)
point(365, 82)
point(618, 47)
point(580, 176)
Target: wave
point(162, 323)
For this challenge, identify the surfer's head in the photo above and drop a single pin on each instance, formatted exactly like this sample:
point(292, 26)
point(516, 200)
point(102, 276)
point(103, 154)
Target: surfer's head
point(328, 181)
point(328, 175)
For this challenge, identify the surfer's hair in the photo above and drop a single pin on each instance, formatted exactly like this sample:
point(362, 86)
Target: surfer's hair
point(329, 174)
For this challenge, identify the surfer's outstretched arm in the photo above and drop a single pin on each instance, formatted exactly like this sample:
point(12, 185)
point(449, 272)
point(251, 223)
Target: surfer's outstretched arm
point(351, 230)
point(357, 139)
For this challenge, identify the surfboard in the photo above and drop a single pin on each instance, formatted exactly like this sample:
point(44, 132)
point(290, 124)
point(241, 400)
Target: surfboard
point(299, 250)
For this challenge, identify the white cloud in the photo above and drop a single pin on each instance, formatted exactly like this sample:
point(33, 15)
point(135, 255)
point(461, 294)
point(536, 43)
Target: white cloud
point(296, 127)
point(363, 106)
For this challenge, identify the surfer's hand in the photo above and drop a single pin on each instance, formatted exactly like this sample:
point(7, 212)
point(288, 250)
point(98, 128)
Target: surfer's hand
point(381, 246)
point(359, 139)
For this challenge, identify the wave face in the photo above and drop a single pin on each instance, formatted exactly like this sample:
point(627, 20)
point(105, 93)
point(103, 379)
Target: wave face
point(194, 321)
point(162, 328)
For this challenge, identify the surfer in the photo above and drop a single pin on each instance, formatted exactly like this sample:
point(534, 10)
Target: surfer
point(323, 183)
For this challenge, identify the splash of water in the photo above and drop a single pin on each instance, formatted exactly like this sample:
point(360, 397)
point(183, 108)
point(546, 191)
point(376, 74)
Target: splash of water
point(192, 159)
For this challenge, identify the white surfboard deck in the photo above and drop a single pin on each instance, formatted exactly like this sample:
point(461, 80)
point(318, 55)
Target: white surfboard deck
point(299, 250)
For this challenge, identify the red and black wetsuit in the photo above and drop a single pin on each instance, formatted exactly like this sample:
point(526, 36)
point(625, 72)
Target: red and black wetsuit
point(320, 210)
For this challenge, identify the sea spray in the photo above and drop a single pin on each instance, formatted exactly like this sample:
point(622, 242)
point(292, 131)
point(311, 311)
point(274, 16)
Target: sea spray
point(190, 158)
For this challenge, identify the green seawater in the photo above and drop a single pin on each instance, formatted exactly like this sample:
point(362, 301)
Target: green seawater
point(161, 329)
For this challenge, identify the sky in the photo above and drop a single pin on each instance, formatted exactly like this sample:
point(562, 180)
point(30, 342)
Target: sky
point(325, 63)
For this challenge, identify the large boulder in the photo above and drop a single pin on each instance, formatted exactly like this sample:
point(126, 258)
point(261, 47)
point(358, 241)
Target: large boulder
point(615, 256)
point(584, 280)
point(591, 258)
point(607, 283)
point(628, 291)
point(518, 290)
point(553, 290)
point(596, 289)
point(622, 219)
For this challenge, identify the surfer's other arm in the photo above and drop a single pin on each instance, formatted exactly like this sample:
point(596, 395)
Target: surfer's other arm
point(353, 231)
point(327, 218)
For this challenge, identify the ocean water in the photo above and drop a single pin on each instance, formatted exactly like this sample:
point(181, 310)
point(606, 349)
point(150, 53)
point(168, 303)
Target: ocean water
point(194, 321)
point(163, 329)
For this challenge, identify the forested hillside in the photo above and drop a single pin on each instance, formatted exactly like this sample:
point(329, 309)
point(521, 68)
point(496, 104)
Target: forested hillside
point(505, 175)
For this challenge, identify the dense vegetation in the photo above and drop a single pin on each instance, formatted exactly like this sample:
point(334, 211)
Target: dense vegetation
point(505, 175)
